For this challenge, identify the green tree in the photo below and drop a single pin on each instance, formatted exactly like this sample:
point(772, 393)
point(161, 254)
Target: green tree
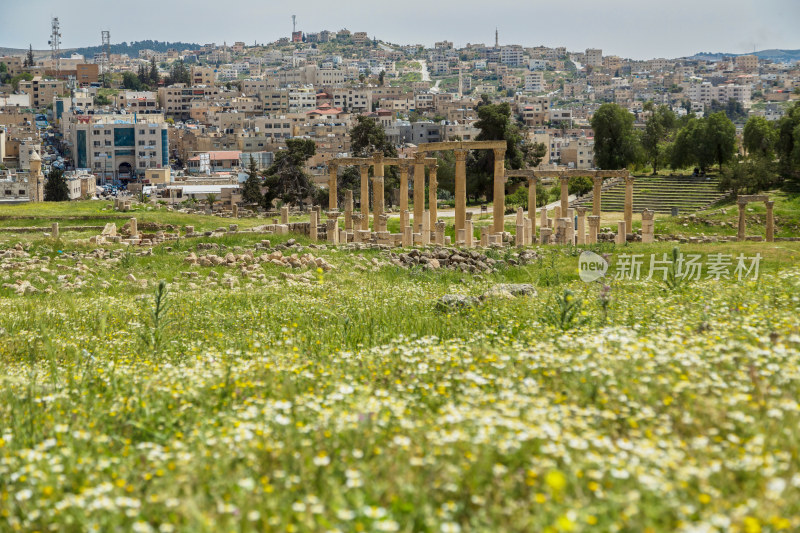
point(749, 176)
point(495, 123)
point(705, 141)
point(154, 78)
point(27, 76)
point(788, 146)
point(368, 137)
point(533, 153)
point(615, 142)
point(179, 73)
point(55, 187)
point(29, 62)
point(131, 81)
point(285, 178)
point(658, 130)
point(251, 192)
point(759, 137)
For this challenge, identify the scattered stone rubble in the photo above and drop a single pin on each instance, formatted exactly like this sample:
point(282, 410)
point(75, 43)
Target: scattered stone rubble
point(504, 291)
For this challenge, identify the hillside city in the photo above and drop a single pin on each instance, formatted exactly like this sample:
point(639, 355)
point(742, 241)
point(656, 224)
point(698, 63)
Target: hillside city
point(178, 119)
point(335, 284)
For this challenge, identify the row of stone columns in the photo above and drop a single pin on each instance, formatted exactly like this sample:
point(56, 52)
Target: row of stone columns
point(770, 222)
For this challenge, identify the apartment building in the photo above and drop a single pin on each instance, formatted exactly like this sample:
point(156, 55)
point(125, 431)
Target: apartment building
point(705, 93)
point(42, 91)
point(594, 57)
point(140, 102)
point(176, 99)
point(202, 76)
point(81, 184)
point(513, 56)
point(352, 100)
point(578, 153)
point(747, 63)
point(534, 82)
point(120, 146)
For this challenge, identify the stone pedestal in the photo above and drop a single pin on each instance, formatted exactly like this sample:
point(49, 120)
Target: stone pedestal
point(407, 237)
point(484, 236)
point(332, 228)
point(570, 226)
point(519, 236)
point(382, 222)
point(544, 235)
point(235, 210)
point(285, 215)
point(312, 226)
point(469, 230)
point(621, 232)
point(581, 225)
point(440, 227)
point(770, 236)
point(426, 230)
point(648, 226)
point(461, 237)
point(594, 226)
point(742, 221)
point(561, 230)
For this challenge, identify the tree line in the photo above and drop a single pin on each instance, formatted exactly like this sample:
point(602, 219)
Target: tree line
point(772, 150)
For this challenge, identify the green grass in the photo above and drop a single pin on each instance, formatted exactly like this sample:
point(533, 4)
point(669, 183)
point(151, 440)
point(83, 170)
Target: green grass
point(352, 402)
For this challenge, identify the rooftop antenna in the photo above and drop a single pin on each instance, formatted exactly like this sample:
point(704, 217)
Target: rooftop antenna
point(55, 44)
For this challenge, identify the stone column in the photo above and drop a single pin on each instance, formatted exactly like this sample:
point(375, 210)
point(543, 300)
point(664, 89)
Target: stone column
point(312, 226)
point(285, 215)
point(484, 236)
point(235, 210)
point(594, 226)
point(621, 232)
point(348, 210)
point(469, 232)
point(365, 196)
point(629, 203)
point(648, 226)
point(419, 187)
point(134, 228)
point(519, 236)
point(581, 225)
point(333, 191)
point(499, 202)
point(461, 187)
point(543, 223)
point(377, 188)
point(770, 221)
point(54, 230)
point(520, 216)
point(557, 212)
point(432, 194)
point(532, 203)
point(742, 221)
point(404, 221)
point(407, 237)
point(440, 227)
point(357, 217)
point(570, 226)
point(425, 230)
point(596, 192)
point(530, 231)
point(564, 194)
point(403, 187)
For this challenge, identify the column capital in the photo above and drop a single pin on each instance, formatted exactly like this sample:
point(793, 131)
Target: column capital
point(769, 203)
point(598, 180)
point(533, 179)
point(378, 157)
point(333, 166)
point(742, 203)
point(581, 211)
point(594, 220)
point(419, 157)
point(499, 153)
point(564, 179)
point(461, 154)
point(629, 180)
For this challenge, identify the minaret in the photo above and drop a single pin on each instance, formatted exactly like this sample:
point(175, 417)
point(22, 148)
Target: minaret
point(496, 38)
point(460, 82)
point(36, 179)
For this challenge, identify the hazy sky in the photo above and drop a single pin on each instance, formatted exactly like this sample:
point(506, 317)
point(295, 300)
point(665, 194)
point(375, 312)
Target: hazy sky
point(638, 29)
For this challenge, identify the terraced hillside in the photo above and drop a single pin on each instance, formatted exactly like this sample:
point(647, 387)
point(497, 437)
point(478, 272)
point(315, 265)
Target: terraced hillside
point(661, 194)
